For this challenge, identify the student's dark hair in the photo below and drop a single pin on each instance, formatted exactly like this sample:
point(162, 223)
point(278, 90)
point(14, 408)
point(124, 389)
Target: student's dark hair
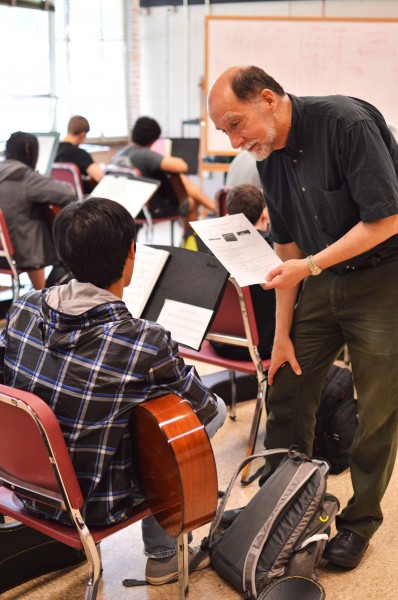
point(93, 238)
point(23, 147)
point(78, 124)
point(247, 199)
point(145, 131)
point(250, 81)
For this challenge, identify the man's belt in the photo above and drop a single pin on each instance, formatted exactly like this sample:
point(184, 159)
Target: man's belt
point(371, 261)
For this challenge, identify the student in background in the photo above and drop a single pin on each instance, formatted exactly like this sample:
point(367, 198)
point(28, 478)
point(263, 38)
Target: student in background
point(249, 200)
point(243, 169)
point(82, 335)
point(152, 164)
point(24, 198)
point(69, 151)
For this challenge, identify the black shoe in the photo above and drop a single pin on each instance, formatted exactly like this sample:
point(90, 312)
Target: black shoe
point(346, 549)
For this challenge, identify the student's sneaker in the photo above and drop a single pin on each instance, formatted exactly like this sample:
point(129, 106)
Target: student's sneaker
point(165, 570)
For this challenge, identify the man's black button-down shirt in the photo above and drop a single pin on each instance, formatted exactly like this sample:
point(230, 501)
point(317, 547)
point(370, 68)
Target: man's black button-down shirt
point(339, 167)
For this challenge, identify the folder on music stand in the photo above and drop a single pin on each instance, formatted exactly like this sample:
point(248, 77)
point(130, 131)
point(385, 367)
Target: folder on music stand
point(191, 278)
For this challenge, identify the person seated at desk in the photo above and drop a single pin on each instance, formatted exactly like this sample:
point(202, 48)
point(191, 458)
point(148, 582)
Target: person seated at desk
point(152, 164)
point(93, 362)
point(249, 200)
point(243, 169)
point(24, 196)
point(69, 151)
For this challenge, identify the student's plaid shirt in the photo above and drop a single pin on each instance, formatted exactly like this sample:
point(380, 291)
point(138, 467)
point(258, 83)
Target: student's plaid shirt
point(92, 369)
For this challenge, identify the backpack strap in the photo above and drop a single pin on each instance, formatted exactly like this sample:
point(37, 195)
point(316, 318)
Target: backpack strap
point(221, 507)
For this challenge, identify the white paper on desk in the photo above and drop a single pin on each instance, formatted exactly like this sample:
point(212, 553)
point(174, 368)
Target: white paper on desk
point(239, 247)
point(130, 193)
point(187, 323)
point(148, 265)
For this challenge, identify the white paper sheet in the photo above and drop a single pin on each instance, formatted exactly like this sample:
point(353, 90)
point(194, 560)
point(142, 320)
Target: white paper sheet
point(148, 265)
point(239, 247)
point(186, 323)
point(130, 193)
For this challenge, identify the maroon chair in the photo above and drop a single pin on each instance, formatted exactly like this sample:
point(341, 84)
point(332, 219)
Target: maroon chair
point(235, 324)
point(221, 200)
point(69, 173)
point(7, 262)
point(35, 464)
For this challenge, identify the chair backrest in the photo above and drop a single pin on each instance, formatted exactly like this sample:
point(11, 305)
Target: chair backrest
point(235, 319)
point(69, 173)
point(221, 200)
point(34, 460)
point(6, 247)
point(7, 263)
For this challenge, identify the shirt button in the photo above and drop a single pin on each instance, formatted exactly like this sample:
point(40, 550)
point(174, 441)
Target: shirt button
point(301, 151)
point(303, 189)
point(295, 161)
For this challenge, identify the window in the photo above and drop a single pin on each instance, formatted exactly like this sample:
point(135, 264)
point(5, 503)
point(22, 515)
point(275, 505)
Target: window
point(26, 98)
point(71, 61)
point(91, 65)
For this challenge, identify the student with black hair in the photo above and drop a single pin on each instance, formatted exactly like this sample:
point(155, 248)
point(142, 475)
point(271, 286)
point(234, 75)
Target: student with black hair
point(138, 154)
point(23, 192)
point(93, 362)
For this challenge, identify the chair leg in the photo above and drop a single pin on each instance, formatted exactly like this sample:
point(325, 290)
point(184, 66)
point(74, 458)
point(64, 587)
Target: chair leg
point(16, 286)
point(347, 358)
point(260, 403)
point(95, 568)
point(232, 410)
point(172, 232)
point(183, 576)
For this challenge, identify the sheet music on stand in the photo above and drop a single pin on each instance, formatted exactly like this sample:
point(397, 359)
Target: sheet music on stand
point(130, 191)
point(148, 265)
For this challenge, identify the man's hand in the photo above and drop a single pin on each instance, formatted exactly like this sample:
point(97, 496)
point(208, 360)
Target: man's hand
point(287, 274)
point(282, 353)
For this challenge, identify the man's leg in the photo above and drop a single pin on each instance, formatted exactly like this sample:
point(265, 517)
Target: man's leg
point(371, 330)
point(294, 399)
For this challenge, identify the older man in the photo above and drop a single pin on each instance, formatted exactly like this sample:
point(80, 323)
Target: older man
point(328, 166)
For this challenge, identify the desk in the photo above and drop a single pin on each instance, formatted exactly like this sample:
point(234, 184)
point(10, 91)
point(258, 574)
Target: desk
point(210, 166)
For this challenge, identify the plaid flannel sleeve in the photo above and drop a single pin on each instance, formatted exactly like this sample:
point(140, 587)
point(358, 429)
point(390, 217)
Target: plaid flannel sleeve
point(170, 374)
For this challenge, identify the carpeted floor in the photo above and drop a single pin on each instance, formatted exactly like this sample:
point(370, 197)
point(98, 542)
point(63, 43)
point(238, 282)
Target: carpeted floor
point(123, 556)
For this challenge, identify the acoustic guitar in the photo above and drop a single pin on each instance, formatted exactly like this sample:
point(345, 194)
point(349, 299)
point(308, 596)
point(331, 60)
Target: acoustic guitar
point(167, 433)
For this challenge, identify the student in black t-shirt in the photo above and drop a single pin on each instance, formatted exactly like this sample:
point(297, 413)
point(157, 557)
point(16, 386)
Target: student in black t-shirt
point(69, 151)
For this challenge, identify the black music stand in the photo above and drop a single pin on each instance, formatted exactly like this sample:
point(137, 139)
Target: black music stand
point(192, 277)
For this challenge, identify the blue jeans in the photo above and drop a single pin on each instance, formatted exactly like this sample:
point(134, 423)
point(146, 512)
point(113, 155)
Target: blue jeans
point(360, 309)
point(157, 543)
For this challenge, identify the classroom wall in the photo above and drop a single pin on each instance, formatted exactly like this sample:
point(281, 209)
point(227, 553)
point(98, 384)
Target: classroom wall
point(172, 51)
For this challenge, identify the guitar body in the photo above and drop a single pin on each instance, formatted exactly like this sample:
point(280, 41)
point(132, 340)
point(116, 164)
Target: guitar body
point(166, 432)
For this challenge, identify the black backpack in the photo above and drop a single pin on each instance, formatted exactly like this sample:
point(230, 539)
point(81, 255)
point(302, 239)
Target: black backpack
point(336, 419)
point(281, 532)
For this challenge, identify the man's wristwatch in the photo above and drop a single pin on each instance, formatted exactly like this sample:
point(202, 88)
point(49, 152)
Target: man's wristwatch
point(314, 269)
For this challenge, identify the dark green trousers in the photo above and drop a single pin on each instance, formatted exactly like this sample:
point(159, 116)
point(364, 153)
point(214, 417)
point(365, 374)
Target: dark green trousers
point(359, 308)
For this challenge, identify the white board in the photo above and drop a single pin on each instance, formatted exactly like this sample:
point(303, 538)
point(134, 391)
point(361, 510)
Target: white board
point(308, 57)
